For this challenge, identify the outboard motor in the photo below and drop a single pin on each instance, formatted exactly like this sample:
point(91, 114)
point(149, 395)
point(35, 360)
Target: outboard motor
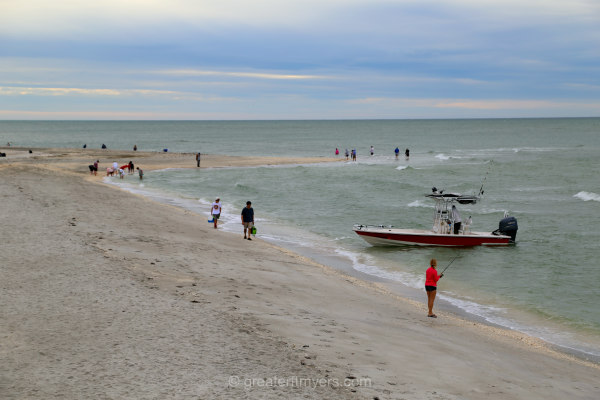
point(508, 227)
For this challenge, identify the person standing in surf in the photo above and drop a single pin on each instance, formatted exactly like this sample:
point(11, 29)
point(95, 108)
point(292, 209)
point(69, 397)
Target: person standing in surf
point(431, 278)
point(248, 219)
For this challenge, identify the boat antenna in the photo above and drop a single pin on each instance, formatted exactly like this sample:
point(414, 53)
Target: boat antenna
point(449, 265)
point(485, 177)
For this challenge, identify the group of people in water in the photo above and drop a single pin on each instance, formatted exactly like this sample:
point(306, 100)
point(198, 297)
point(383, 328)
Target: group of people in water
point(116, 169)
point(352, 153)
point(104, 146)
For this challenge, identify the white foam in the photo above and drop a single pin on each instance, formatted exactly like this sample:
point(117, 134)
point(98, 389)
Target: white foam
point(587, 196)
point(400, 168)
point(419, 203)
point(442, 157)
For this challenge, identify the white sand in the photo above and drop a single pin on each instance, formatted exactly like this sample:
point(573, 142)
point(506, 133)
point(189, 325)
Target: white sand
point(108, 295)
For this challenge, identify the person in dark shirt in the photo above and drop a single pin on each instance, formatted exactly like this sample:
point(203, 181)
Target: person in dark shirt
point(248, 219)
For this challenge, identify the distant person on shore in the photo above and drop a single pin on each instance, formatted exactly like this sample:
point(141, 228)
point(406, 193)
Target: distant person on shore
point(85, 146)
point(347, 154)
point(248, 219)
point(198, 157)
point(353, 154)
point(103, 146)
point(372, 150)
point(397, 151)
point(215, 211)
point(407, 153)
point(431, 278)
point(140, 173)
point(337, 152)
point(135, 147)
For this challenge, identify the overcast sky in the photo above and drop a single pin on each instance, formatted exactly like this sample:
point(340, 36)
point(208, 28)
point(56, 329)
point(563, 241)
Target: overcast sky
point(298, 59)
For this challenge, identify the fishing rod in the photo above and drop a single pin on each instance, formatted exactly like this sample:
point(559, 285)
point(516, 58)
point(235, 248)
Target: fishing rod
point(485, 177)
point(448, 265)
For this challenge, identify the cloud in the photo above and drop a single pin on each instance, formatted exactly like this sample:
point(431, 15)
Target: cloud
point(256, 75)
point(243, 58)
point(58, 91)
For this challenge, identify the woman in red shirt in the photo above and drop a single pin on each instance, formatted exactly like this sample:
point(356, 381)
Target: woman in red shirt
point(431, 278)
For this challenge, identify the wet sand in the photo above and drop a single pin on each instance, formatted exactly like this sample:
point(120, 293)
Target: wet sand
point(106, 294)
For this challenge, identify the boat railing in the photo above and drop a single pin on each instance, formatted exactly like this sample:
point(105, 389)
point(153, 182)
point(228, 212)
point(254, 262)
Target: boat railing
point(361, 226)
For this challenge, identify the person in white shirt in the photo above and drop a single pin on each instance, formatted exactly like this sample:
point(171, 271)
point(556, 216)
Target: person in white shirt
point(215, 210)
point(457, 221)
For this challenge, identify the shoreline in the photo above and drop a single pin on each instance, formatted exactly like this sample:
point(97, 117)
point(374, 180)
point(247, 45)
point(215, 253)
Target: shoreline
point(273, 296)
point(444, 302)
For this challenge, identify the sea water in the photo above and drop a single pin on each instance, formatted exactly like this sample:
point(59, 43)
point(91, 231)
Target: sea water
point(542, 171)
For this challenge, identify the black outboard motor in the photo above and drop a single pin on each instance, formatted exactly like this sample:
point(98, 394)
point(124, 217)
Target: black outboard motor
point(507, 227)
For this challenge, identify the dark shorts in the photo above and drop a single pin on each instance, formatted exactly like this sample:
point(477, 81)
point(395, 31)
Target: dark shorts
point(430, 288)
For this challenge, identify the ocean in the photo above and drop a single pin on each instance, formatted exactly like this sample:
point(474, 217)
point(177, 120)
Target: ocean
point(544, 172)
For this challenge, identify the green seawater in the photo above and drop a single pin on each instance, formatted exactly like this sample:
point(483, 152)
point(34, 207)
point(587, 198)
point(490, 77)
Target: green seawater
point(542, 171)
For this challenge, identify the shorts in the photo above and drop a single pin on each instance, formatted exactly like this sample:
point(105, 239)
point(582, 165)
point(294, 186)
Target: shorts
point(430, 288)
point(216, 216)
point(248, 224)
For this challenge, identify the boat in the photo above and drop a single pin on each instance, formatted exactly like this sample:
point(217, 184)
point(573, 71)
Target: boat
point(446, 230)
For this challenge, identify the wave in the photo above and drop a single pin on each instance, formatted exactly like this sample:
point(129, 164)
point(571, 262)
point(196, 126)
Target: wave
point(587, 196)
point(419, 203)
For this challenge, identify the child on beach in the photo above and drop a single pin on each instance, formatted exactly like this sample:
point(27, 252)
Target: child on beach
point(141, 173)
point(216, 211)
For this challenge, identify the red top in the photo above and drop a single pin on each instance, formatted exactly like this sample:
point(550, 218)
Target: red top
point(431, 277)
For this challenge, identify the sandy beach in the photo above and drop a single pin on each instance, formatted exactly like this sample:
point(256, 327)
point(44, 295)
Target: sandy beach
point(108, 295)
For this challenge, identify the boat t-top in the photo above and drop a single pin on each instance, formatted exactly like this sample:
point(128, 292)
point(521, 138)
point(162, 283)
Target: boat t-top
point(448, 228)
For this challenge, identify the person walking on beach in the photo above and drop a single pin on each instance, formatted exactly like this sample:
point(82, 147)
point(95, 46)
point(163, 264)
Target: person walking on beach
point(215, 210)
point(397, 151)
point(141, 173)
point(372, 150)
point(431, 278)
point(135, 147)
point(347, 154)
point(198, 155)
point(407, 153)
point(131, 168)
point(248, 219)
point(337, 152)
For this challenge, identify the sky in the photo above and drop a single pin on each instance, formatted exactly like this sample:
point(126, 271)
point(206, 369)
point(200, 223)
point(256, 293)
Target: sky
point(298, 59)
